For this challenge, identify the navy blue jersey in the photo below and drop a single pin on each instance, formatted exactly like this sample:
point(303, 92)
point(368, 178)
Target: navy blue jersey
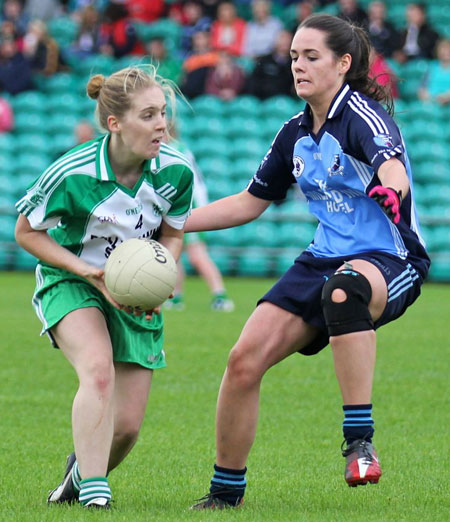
point(336, 170)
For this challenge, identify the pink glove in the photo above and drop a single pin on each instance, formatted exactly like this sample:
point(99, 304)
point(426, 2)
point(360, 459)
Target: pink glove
point(389, 200)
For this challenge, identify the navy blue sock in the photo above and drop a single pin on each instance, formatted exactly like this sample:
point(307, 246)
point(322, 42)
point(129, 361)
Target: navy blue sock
point(228, 484)
point(358, 422)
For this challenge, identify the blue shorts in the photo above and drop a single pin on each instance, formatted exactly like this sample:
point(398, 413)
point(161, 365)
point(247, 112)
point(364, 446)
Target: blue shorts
point(300, 288)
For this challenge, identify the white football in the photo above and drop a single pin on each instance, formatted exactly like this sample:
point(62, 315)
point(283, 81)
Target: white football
point(140, 273)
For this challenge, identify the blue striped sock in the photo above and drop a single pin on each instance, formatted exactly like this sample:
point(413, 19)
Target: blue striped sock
point(94, 487)
point(358, 422)
point(228, 484)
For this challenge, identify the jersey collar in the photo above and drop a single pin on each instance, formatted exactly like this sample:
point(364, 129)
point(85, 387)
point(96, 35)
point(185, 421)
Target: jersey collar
point(103, 166)
point(336, 106)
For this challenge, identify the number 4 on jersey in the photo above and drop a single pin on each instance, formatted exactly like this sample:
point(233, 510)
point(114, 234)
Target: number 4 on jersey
point(139, 223)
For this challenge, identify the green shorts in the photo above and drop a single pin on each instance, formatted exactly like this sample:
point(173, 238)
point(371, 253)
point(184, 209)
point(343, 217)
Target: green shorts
point(134, 339)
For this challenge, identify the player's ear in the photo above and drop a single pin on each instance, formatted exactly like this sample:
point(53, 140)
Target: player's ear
point(113, 123)
point(345, 62)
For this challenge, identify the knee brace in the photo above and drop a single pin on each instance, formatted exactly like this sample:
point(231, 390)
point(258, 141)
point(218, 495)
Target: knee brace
point(351, 315)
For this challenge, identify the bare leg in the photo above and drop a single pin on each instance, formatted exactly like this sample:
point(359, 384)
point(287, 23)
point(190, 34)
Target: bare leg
point(130, 400)
point(270, 335)
point(84, 339)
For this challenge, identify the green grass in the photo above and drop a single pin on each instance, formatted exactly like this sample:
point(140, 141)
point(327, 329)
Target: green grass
point(295, 469)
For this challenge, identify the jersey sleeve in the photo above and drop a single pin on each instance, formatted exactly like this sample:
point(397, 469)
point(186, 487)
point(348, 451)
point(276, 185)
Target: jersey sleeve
point(182, 204)
point(374, 136)
point(45, 202)
point(274, 175)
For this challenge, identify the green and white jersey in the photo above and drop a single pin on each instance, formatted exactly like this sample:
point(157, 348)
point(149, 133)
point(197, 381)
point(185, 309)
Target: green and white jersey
point(87, 211)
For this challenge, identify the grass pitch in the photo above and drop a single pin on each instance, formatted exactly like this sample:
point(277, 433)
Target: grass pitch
point(295, 468)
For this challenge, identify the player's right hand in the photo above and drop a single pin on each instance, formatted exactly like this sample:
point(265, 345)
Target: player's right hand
point(389, 200)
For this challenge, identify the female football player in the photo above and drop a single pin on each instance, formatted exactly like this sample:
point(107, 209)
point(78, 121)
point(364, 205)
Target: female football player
point(363, 269)
point(125, 184)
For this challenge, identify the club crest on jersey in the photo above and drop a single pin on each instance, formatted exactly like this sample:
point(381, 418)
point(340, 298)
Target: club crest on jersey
point(36, 197)
point(336, 168)
point(108, 219)
point(157, 210)
point(299, 166)
point(383, 140)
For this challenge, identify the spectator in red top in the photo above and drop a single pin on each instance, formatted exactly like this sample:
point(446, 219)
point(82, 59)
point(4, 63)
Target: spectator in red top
point(117, 32)
point(6, 116)
point(382, 73)
point(145, 10)
point(228, 31)
point(226, 80)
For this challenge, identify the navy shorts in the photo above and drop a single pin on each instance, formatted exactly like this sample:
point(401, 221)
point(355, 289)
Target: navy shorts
point(299, 290)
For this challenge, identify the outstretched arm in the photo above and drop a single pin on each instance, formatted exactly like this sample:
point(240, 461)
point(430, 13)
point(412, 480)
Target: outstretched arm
point(228, 212)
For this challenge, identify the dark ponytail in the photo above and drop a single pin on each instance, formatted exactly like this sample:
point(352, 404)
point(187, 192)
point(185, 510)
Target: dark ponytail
point(342, 38)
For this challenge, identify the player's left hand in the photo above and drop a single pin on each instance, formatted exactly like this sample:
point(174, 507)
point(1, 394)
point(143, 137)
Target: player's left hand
point(138, 312)
point(389, 200)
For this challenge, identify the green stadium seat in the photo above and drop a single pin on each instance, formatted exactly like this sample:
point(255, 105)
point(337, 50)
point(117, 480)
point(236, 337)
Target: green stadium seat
point(249, 127)
point(33, 142)
point(440, 269)
point(6, 257)
point(7, 167)
point(224, 261)
point(30, 123)
point(66, 102)
point(270, 126)
point(243, 106)
point(28, 167)
point(208, 105)
point(283, 107)
point(224, 238)
point(7, 143)
point(61, 143)
point(254, 263)
point(248, 149)
point(62, 124)
point(284, 261)
point(95, 64)
point(63, 29)
point(7, 226)
point(60, 83)
point(24, 261)
point(206, 147)
point(29, 102)
point(213, 168)
point(244, 168)
point(296, 234)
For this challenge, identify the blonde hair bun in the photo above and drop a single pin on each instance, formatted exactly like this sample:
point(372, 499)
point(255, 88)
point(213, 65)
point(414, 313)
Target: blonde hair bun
point(95, 86)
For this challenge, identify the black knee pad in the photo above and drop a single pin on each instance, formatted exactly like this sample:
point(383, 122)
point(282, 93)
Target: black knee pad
point(352, 315)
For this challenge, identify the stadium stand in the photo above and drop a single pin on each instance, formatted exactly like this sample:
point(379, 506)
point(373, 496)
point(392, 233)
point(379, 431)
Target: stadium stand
point(228, 139)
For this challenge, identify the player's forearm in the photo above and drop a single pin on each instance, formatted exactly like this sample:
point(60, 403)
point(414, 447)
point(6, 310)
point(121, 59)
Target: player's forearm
point(392, 173)
point(228, 212)
point(174, 244)
point(41, 245)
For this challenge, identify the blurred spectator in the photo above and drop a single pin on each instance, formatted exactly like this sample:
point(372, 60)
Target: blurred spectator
point(145, 10)
point(8, 31)
point(43, 10)
point(6, 116)
point(419, 38)
point(383, 35)
point(350, 10)
point(228, 31)
point(197, 65)
point(88, 40)
point(117, 33)
point(168, 67)
point(40, 49)
point(194, 21)
point(84, 131)
point(436, 85)
point(15, 70)
point(303, 10)
point(382, 73)
point(210, 8)
point(262, 30)
point(12, 11)
point(272, 74)
point(226, 80)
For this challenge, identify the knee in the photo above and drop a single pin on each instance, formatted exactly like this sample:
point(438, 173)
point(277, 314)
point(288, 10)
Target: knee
point(99, 375)
point(242, 369)
point(345, 303)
